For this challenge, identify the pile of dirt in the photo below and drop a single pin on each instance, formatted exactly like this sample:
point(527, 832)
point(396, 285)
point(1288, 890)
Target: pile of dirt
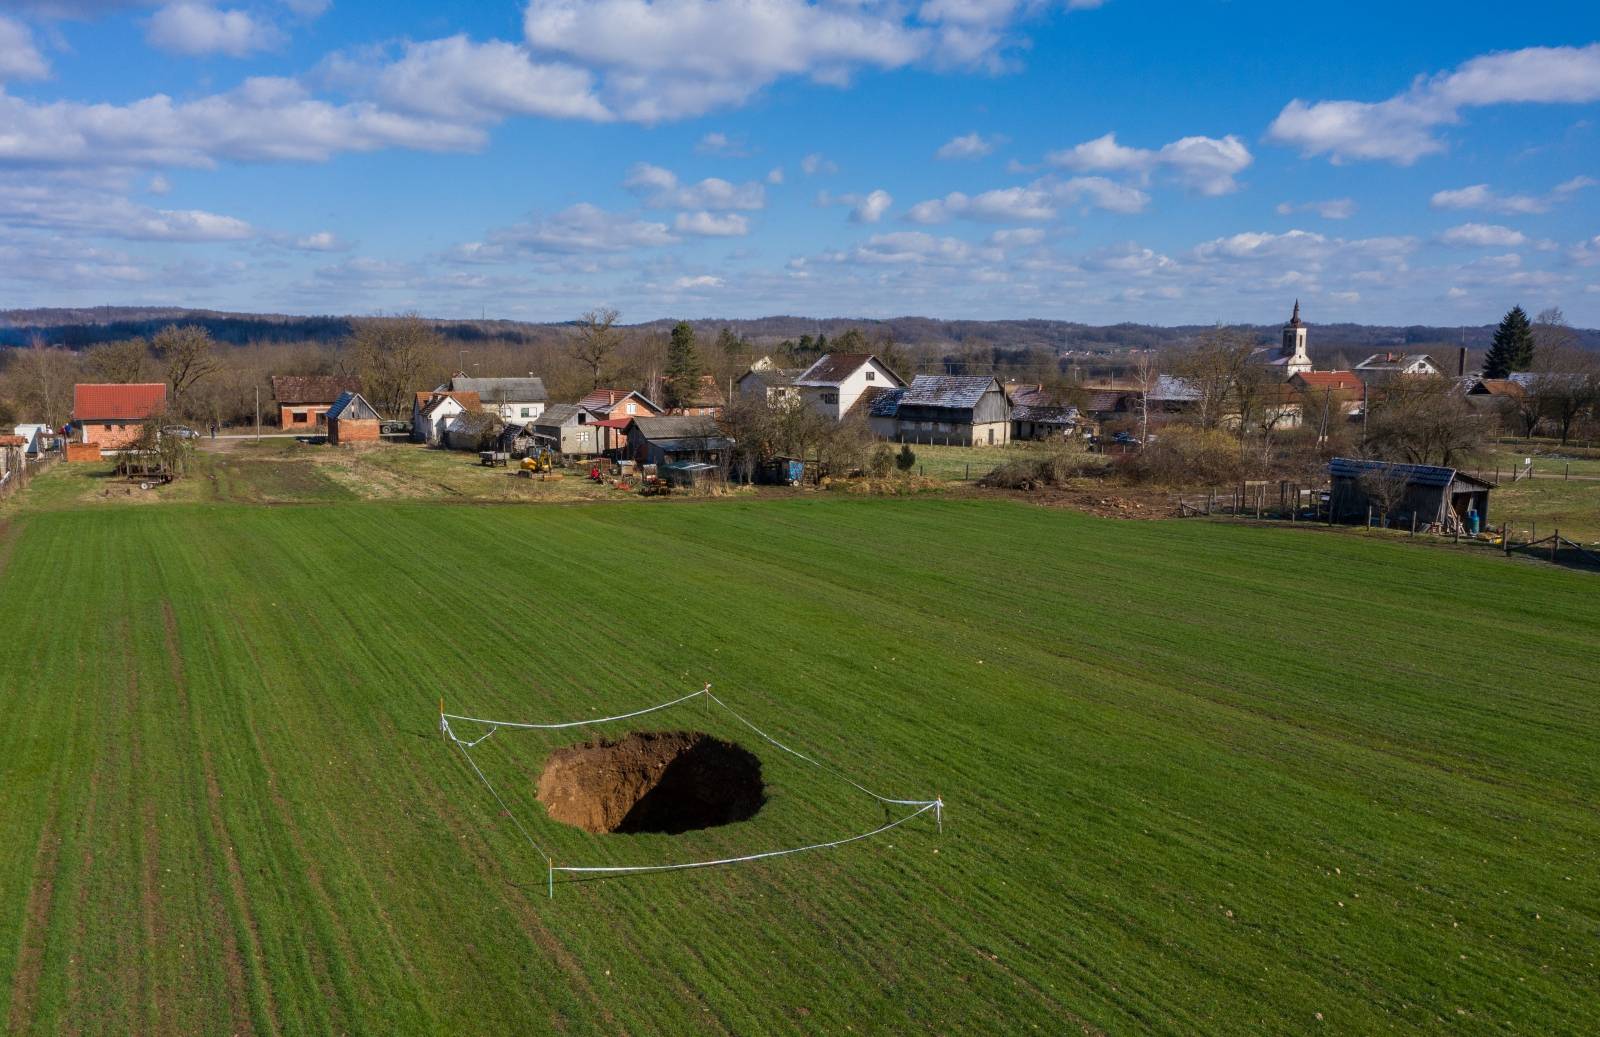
point(652, 781)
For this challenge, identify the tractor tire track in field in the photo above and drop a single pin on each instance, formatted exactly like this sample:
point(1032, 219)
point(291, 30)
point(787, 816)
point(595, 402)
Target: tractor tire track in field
point(36, 925)
point(151, 996)
point(233, 961)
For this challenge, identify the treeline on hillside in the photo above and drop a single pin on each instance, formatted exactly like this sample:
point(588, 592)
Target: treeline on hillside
point(88, 326)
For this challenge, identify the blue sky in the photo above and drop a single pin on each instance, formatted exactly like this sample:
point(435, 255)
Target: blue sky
point(1095, 160)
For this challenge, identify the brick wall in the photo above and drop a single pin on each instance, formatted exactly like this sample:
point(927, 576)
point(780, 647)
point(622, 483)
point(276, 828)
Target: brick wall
point(352, 431)
point(83, 451)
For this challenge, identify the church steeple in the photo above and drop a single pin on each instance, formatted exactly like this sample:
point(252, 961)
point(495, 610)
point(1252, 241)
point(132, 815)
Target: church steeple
point(1295, 359)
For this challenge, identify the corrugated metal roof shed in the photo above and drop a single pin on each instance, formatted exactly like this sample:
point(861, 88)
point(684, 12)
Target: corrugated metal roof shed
point(1415, 474)
point(1045, 414)
point(683, 427)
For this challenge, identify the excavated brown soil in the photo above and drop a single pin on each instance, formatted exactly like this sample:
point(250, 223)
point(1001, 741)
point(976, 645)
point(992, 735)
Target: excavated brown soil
point(652, 781)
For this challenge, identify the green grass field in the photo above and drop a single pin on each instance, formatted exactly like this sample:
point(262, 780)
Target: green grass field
point(1201, 778)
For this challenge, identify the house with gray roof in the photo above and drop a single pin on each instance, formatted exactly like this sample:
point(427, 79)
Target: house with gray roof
point(516, 400)
point(948, 409)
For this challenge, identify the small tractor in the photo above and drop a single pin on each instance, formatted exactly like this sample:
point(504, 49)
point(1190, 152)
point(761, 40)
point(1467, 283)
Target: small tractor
point(540, 461)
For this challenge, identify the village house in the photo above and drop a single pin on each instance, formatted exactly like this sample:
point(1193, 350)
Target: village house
point(1039, 414)
point(568, 429)
point(834, 384)
point(515, 400)
point(1391, 365)
point(612, 409)
point(304, 400)
point(707, 400)
point(947, 409)
point(433, 412)
point(36, 439)
point(352, 419)
point(670, 440)
point(766, 380)
point(110, 415)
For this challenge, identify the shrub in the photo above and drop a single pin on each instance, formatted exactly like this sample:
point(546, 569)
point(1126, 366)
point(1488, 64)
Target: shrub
point(881, 462)
point(1187, 454)
point(906, 459)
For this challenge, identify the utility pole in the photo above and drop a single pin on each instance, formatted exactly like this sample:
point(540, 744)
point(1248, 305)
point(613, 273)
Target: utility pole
point(258, 414)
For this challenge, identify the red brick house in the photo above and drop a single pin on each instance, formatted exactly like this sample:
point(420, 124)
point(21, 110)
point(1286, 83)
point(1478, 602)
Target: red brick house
point(304, 400)
point(613, 409)
point(109, 414)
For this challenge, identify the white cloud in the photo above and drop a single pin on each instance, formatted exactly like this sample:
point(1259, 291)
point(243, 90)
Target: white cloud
point(661, 189)
point(264, 119)
point(1098, 192)
point(1004, 205)
point(190, 27)
point(64, 206)
point(871, 208)
point(1404, 128)
point(1331, 209)
point(1208, 165)
point(459, 79)
point(712, 225)
point(912, 247)
point(1481, 196)
point(775, 175)
point(158, 184)
point(721, 144)
point(321, 241)
point(1479, 235)
point(972, 145)
point(19, 56)
point(697, 282)
point(815, 163)
point(1016, 237)
point(577, 229)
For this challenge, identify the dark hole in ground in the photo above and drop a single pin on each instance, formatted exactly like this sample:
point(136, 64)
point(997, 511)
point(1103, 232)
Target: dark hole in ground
point(652, 781)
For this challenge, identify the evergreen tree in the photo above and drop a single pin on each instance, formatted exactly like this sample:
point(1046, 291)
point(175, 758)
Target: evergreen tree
point(683, 367)
point(1512, 349)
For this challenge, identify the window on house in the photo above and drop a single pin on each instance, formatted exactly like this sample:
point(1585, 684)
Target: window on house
point(633, 408)
point(871, 375)
point(299, 417)
point(830, 397)
point(527, 412)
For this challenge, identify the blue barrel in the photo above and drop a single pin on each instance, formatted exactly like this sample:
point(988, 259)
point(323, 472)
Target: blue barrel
point(1472, 521)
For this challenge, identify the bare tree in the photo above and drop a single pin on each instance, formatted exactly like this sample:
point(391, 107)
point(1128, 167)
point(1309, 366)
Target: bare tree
point(393, 355)
point(1146, 373)
point(47, 381)
point(1213, 370)
point(1565, 379)
point(598, 338)
point(1424, 421)
point(123, 361)
point(186, 354)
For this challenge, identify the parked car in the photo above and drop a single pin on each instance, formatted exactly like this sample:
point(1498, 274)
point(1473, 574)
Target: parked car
point(1125, 439)
point(179, 431)
point(394, 427)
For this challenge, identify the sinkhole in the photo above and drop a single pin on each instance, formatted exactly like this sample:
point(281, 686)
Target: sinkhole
point(652, 781)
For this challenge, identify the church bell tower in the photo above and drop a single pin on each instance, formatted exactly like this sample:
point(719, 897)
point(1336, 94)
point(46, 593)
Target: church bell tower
point(1295, 359)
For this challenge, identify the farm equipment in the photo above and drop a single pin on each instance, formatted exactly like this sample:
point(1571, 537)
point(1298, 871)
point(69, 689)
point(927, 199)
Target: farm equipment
point(494, 458)
point(654, 486)
point(539, 459)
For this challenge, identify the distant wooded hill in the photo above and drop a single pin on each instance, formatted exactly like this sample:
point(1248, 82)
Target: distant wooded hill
point(87, 326)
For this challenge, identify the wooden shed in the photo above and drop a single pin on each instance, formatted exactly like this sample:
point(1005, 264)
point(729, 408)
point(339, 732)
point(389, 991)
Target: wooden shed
point(1398, 493)
point(352, 419)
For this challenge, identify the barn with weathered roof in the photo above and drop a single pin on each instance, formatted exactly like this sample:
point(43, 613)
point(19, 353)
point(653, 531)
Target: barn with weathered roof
point(953, 409)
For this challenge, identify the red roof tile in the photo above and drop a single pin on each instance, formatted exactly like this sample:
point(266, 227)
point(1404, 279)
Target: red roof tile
point(135, 401)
